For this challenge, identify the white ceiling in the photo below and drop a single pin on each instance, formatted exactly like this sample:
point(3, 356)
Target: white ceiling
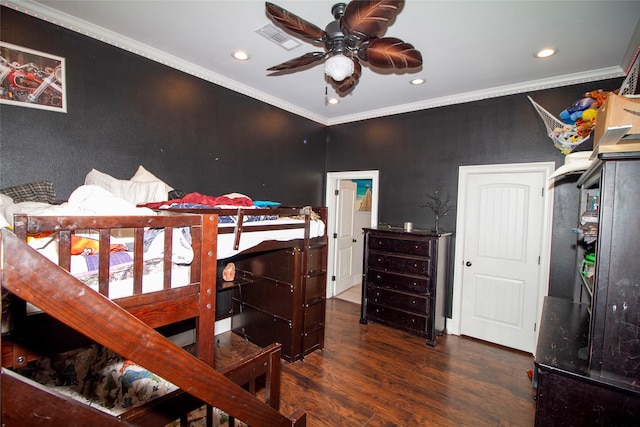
point(471, 49)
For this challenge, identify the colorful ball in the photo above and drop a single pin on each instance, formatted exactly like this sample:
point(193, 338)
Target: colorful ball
point(589, 114)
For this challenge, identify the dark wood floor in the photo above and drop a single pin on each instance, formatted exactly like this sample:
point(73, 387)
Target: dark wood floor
point(372, 375)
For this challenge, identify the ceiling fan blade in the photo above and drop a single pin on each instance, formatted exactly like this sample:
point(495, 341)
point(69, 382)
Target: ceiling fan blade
point(389, 52)
point(301, 61)
point(366, 19)
point(294, 23)
point(350, 82)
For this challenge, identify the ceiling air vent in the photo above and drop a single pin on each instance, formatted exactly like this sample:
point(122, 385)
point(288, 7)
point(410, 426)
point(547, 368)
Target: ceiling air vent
point(277, 36)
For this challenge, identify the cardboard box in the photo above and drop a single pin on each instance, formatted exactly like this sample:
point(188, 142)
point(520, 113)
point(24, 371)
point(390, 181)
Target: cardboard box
point(618, 125)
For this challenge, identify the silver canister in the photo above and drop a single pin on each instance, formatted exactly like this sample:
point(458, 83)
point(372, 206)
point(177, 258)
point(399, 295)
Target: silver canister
point(408, 226)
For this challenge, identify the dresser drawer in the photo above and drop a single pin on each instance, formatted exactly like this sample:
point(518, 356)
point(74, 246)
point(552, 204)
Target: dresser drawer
point(414, 323)
point(399, 264)
point(402, 246)
point(316, 288)
point(268, 295)
point(388, 298)
point(399, 282)
point(317, 260)
point(314, 316)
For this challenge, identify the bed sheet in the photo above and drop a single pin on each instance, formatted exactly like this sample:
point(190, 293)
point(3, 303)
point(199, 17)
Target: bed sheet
point(84, 266)
point(121, 278)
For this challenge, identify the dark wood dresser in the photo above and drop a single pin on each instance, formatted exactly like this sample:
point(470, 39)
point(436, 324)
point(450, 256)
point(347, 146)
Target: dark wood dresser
point(280, 296)
point(588, 353)
point(405, 277)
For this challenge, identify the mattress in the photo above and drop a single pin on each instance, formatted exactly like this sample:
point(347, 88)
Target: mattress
point(250, 239)
point(84, 266)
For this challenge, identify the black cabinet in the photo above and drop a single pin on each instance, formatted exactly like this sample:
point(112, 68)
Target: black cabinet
point(404, 281)
point(588, 353)
point(614, 334)
point(569, 393)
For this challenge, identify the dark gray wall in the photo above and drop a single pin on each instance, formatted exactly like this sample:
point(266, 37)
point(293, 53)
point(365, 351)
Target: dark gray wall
point(416, 151)
point(125, 110)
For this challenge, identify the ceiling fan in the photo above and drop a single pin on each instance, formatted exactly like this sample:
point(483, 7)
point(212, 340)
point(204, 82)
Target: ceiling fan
point(353, 36)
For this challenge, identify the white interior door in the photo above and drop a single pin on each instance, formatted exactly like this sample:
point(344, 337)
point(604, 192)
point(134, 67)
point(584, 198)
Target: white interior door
point(345, 239)
point(502, 247)
point(331, 200)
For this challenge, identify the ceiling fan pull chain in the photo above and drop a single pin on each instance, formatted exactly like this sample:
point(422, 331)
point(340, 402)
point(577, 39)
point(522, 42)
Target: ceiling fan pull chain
point(326, 91)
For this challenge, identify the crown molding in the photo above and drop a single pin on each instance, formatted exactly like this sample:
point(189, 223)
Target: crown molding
point(494, 92)
point(72, 23)
point(69, 22)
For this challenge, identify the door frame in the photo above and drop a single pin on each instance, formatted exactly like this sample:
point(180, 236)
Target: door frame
point(332, 179)
point(547, 168)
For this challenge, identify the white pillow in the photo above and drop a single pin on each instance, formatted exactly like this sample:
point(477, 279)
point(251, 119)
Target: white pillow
point(95, 177)
point(140, 192)
point(5, 202)
point(132, 191)
point(143, 175)
point(3, 222)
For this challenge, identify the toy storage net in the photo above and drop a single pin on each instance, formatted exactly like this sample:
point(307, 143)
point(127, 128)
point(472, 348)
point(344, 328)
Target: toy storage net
point(630, 83)
point(565, 137)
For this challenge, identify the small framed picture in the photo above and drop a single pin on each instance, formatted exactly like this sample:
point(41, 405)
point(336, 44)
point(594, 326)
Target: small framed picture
point(33, 79)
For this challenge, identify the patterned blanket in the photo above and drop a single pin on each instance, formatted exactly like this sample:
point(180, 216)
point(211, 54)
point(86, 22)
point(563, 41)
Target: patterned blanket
point(102, 379)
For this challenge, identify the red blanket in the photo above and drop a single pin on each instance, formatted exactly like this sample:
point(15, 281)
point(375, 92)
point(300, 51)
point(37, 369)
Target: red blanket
point(201, 199)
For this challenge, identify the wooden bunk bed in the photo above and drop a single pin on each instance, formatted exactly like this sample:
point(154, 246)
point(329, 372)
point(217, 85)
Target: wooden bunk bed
point(279, 291)
point(70, 312)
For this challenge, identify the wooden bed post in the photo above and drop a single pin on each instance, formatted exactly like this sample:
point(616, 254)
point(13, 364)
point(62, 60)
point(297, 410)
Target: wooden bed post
point(207, 318)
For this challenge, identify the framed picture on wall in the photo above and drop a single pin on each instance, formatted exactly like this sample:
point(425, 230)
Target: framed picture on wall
point(33, 79)
point(363, 194)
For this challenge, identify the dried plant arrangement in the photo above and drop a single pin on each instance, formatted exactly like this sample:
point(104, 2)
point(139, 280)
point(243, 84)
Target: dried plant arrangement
point(439, 204)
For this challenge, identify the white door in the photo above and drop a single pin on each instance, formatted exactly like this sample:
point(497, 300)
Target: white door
point(502, 250)
point(331, 200)
point(345, 239)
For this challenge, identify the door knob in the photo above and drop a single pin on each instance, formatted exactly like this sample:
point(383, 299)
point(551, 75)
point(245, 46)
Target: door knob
point(468, 263)
point(354, 240)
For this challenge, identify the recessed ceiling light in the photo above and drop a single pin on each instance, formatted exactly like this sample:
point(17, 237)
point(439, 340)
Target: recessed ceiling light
point(333, 101)
point(240, 55)
point(546, 52)
point(417, 81)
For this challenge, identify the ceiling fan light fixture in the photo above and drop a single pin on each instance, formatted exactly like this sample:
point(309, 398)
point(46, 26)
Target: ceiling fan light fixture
point(333, 101)
point(354, 35)
point(338, 67)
